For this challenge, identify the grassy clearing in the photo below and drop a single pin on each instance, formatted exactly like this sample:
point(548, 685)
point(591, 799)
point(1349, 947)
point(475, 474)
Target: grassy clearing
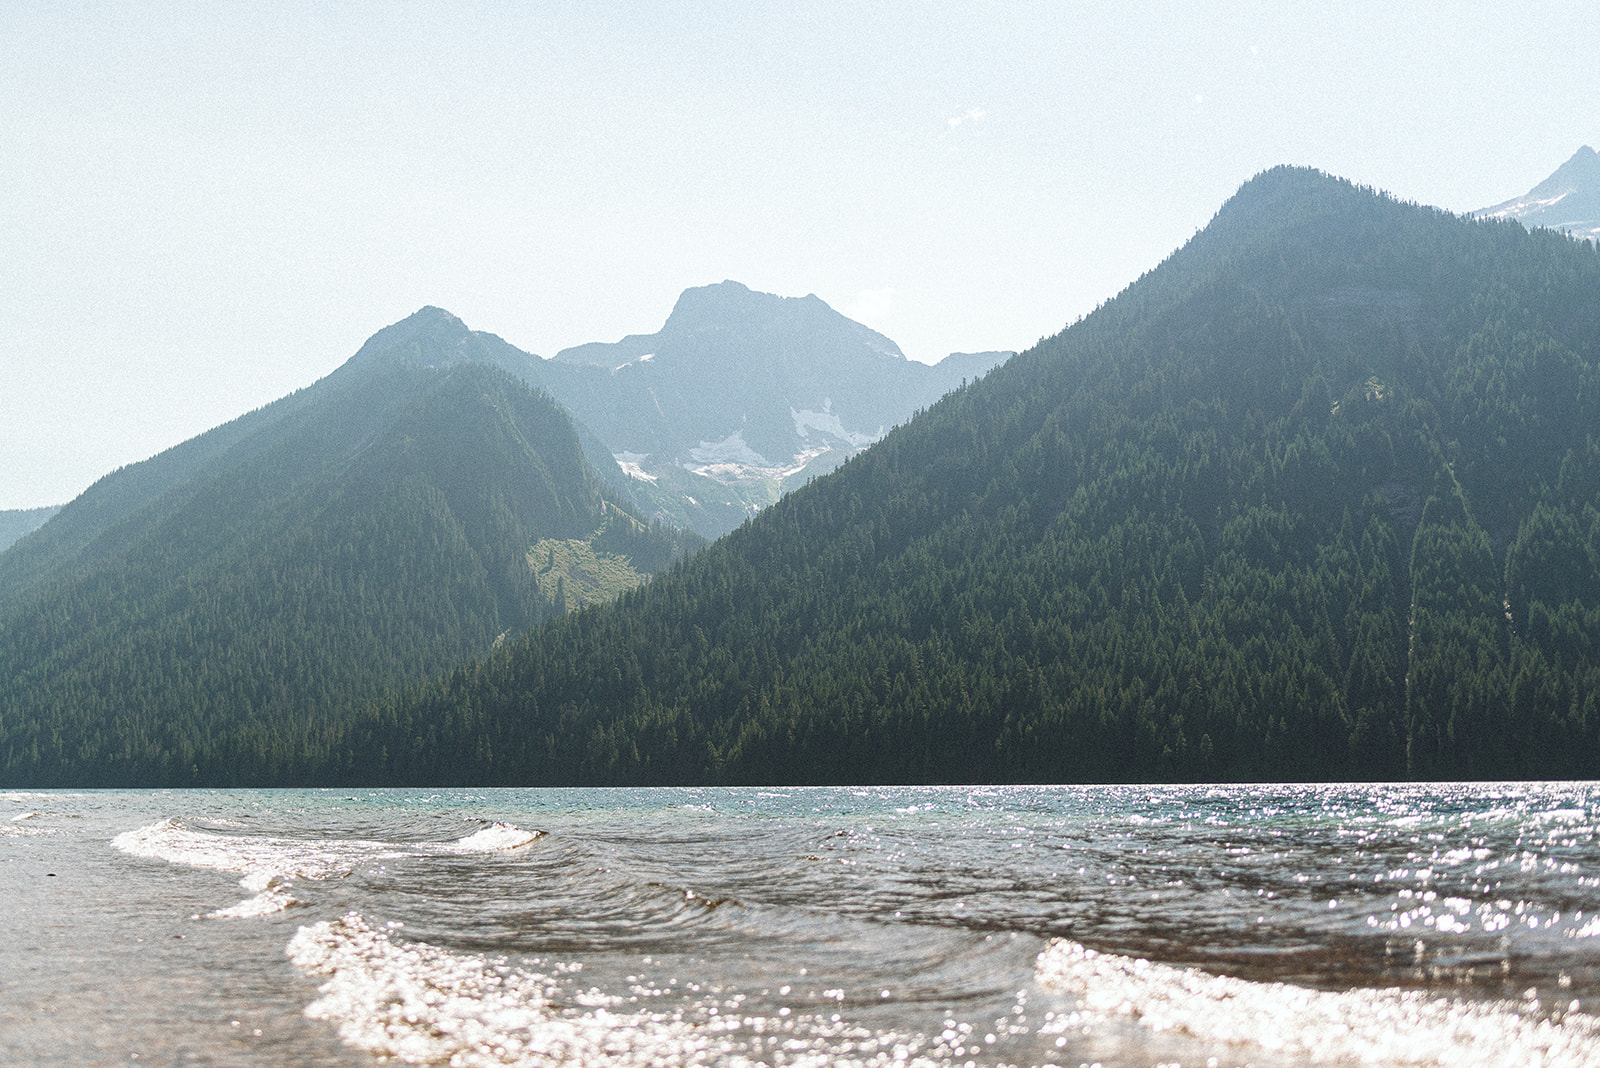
point(574, 571)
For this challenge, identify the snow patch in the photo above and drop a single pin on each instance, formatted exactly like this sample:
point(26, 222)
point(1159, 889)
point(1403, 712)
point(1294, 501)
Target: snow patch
point(825, 422)
point(1527, 206)
point(730, 450)
point(630, 463)
point(646, 358)
point(727, 473)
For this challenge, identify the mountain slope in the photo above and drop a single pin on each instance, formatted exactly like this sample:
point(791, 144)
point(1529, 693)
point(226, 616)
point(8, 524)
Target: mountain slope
point(242, 593)
point(18, 523)
point(1318, 497)
point(1568, 200)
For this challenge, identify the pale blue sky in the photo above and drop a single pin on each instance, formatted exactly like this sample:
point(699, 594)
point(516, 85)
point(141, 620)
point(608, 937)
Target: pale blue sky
point(205, 206)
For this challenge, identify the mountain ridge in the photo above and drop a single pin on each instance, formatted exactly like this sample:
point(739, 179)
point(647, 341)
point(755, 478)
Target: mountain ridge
point(1314, 498)
point(203, 616)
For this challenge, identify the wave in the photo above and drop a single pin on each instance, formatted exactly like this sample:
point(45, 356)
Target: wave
point(422, 1003)
point(172, 841)
point(273, 897)
point(271, 864)
point(1365, 1026)
point(20, 826)
point(497, 838)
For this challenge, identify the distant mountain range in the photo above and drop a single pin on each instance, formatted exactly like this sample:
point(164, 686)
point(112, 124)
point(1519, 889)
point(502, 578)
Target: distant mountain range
point(741, 396)
point(1318, 497)
point(215, 606)
point(738, 398)
point(1568, 200)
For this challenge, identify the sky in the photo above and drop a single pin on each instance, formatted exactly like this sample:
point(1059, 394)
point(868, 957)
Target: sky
point(205, 206)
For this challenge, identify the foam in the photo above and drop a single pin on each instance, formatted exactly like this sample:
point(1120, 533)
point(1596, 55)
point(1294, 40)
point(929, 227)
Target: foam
point(272, 898)
point(496, 838)
point(424, 1004)
point(270, 865)
point(25, 825)
point(1368, 1027)
point(171, 841)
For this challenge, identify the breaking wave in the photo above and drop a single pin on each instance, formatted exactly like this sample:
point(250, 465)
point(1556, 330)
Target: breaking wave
point(424, 1004)
point(270, 865)
point(1281, 1020)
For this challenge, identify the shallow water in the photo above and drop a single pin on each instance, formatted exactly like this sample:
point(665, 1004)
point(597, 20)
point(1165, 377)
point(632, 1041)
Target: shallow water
point(1263, 925)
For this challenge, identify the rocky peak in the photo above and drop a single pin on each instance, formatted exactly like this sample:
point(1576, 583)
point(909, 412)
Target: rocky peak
point(1568, 200)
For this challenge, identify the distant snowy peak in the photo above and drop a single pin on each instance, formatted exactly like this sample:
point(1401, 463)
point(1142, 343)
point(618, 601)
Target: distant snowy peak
point(1568, 200)
point(740, 396)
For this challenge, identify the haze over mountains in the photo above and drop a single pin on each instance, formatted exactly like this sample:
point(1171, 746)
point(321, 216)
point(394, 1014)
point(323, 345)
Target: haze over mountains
point(203, 613)
point(404, 513)
point(17, 522)
point(1316, 497)
point(741, 396)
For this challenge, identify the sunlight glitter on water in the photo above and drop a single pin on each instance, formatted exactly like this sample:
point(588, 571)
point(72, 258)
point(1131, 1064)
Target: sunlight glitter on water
point(1269, 925)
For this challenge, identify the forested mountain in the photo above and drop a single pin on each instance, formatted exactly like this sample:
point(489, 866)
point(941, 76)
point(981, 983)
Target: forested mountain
point(741, 396)
point(1315, 498)
point(202, 616)
point(1568, 200)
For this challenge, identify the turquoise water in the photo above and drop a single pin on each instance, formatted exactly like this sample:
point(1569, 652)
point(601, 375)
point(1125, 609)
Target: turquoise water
point(1264, 925)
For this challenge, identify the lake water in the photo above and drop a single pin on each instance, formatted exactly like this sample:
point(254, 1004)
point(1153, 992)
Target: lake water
point(1258, 925)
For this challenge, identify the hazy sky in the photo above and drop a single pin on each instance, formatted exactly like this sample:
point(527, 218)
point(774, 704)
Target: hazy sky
point(204, 206)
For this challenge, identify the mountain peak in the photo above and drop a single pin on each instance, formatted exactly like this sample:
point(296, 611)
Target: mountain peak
point(429, 336)
point(733, 307)
point(1568, 200)
point(1582, 170)
point(722, 298)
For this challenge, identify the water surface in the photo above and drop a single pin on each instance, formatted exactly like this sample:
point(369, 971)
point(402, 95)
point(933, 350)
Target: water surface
point(1263, 925)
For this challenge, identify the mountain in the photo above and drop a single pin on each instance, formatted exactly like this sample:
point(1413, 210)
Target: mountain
point(1316, 498)
point(1568, 200)
point(741, 396)
point(205, 615)
point(17, 523)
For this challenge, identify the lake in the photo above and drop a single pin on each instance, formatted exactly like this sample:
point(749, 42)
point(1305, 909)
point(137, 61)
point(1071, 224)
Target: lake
point(1429, 924)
